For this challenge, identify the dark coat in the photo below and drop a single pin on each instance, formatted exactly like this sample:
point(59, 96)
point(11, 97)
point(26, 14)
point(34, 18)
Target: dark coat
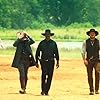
point(19, 49)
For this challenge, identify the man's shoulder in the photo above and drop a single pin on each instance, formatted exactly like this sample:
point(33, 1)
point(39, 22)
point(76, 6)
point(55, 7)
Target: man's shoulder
point(96, 39)
point(42, 41)
point(53, 41)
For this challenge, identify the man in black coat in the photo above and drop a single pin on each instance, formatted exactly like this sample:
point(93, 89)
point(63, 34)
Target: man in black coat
point(23, 58)
point(46, 52)
point(90, 54)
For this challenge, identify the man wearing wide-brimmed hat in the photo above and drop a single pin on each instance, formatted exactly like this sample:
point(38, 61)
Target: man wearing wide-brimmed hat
point(49, 51)
point(90, 54)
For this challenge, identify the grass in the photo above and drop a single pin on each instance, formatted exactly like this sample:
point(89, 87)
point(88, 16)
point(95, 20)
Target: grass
point(64, 53)
point(61, 34)
point(7, 51)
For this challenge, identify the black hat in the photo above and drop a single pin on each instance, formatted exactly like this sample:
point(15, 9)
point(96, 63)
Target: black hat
point(92, 30)
point(47, 31)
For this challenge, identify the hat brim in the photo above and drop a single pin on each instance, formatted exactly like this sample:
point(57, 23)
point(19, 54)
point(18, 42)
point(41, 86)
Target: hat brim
point(51, 34)
point(96, 33)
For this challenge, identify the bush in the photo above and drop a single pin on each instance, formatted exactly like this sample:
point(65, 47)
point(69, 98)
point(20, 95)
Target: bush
point(40, 25)
point(80, 25)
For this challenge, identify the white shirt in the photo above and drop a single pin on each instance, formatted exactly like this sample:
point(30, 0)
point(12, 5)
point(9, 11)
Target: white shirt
point(83, 51)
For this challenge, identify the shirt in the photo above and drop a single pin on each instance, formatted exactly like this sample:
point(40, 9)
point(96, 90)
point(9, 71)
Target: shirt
point(83, 51)
point(47, 50)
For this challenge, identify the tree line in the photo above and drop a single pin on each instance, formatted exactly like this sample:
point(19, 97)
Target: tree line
point(39, 13)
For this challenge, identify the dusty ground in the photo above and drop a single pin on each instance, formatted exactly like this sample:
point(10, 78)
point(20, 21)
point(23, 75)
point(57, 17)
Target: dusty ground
point(69, 82)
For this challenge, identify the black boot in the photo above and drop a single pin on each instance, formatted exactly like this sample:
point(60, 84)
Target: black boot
point(22, 91)
point(22, 82)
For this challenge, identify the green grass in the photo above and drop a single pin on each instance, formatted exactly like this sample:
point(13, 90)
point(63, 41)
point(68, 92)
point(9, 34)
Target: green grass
point(8, 51)
point(61, 34)
point(64, 53)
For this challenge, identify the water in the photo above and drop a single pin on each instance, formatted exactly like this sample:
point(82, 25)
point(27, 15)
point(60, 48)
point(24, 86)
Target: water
point(70, 45)
point(66, 45)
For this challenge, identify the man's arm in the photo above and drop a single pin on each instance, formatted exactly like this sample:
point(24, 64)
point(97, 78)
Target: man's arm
point(1, 44)
point(84, 53)
point(57, 55)
point(37, 55)
point(31, 41)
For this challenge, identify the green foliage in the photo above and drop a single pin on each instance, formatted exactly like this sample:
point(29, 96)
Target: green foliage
point(80, 25)
point(39, 25)
point(40, 14)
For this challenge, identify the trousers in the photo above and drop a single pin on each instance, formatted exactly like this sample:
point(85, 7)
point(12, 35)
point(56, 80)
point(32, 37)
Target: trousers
point(47, 68)
point(90, 67)
point(23, 72)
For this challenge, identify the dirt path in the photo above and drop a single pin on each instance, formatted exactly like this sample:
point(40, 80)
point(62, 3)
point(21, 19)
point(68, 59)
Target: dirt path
point(69, 82)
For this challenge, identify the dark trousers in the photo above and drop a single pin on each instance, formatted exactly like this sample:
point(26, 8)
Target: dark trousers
point(90, 68)
point(23, 71)
point(47, 73)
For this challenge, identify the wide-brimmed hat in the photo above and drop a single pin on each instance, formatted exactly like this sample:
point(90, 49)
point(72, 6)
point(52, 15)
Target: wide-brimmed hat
point(92, 30)
point(48, 31)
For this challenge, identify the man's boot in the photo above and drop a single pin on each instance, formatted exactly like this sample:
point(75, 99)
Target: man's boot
point(22, 82)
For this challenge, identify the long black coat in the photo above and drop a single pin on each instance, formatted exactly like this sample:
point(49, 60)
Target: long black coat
point(18, 54)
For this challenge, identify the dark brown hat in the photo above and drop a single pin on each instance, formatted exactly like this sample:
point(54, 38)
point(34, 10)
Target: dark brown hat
point(47, 31)
point(92, 30)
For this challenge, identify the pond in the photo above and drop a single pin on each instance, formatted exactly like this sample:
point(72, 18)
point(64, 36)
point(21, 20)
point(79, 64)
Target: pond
point(66, 45)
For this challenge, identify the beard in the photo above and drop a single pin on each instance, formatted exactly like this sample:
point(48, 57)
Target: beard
point(92, 37)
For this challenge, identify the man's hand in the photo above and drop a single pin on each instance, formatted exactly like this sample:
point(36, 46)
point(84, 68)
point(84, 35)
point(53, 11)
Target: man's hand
point(37, 65)
point(85, 62)
point(57, 66)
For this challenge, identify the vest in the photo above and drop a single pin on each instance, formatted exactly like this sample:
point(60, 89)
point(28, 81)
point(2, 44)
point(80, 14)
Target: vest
point(92, 50)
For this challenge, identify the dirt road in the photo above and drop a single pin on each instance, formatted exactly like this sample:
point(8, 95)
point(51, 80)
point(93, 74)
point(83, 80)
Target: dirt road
point(69, 82)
